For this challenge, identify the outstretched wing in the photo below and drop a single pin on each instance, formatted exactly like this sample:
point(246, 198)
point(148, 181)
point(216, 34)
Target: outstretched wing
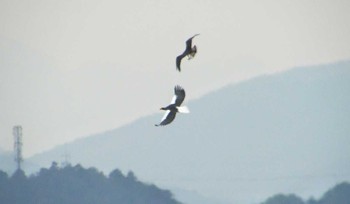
point(179, 95)
point(178, 61)
point(186, 52)
point(168, 117)
point(189, 42)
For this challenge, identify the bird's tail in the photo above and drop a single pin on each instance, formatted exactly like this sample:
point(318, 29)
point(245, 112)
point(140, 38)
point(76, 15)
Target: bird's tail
point(183, 109)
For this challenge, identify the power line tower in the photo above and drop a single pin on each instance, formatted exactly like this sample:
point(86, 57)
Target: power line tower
point(17, 134)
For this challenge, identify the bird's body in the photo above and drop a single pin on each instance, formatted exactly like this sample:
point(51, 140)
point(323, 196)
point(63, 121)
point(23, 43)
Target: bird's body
point(190, 52)
point(174, 107)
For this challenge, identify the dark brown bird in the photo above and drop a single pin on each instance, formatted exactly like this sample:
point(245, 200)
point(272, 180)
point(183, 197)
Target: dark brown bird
point(190, 52)
point(174, 107)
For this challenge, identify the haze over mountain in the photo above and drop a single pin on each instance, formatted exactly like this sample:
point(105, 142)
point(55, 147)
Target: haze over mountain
point(7, 163)
point(286, 132)
point(73, 68)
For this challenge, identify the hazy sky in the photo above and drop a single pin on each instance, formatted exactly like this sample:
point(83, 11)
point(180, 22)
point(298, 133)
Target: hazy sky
point(73, 68)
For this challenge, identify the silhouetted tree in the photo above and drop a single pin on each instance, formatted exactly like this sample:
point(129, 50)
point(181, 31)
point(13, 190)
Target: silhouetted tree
point(284, 199)
point(312, 201)
point(4, 179)
point(77, 185)
point(340, 194)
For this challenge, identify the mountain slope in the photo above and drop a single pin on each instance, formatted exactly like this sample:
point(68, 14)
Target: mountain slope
point(286, 132)
point(7, 162)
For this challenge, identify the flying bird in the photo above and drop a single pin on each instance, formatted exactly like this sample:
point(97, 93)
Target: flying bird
point(190, 52)
point(174, 107)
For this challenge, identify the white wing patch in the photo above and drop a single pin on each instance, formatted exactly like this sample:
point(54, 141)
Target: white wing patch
point(165, 115)
point(183, 109)
point(173, 100)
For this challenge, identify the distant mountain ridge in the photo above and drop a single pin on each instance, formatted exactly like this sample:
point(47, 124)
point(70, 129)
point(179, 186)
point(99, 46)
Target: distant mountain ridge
point(268, 134)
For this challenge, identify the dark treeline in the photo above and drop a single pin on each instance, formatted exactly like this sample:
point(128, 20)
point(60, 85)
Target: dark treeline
point(77, 185)
point(340, 194)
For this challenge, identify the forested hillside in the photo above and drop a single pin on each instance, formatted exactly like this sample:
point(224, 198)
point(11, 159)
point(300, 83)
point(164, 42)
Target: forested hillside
point(340, 194)
point(77, 185)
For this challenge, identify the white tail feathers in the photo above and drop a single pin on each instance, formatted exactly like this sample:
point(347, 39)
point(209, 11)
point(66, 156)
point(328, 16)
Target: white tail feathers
point(183, 109)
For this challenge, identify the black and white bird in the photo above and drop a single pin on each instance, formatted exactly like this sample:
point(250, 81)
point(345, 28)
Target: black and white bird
point(174, 107)
point(190, 52)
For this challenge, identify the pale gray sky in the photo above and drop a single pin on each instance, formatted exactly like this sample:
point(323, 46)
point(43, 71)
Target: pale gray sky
point(73, 68)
